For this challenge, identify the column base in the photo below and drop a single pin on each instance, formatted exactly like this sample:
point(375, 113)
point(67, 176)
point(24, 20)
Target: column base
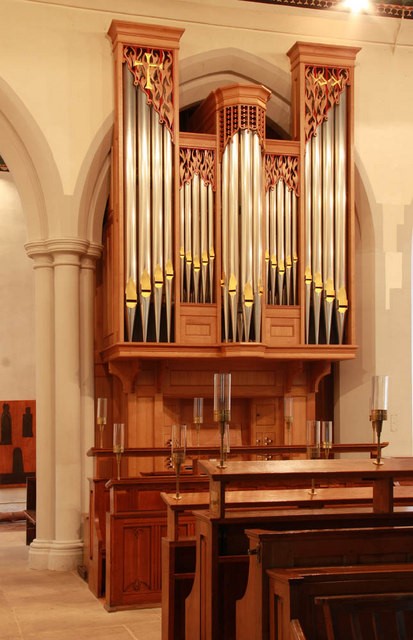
point(65, 555)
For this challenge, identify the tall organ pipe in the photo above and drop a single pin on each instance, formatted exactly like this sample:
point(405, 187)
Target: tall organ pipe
point(246, 231)
point(328, 221)
point(144, 210)
point(308, 273)
point(129, 154)
point(157, 219)
point(233, 249)
point(257, 235)
point(316, 230)
point(168, 250)
point(340, 144)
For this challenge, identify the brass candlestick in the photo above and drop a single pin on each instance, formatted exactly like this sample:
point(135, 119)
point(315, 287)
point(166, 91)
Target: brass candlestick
point(222, 410)
point(118, 444)
point(178, 452)
point(377, 416)
point(101, 415)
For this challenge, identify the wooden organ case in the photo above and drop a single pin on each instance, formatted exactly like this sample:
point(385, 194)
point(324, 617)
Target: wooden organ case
point(224, 251)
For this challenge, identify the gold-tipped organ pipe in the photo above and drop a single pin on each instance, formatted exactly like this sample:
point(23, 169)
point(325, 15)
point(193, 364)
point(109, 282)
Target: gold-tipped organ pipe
point(144, 210)
point(157, 219)
point(246, 231)
point(188, 238)
point(316, 246)
point(280, 240)
point(168, 234)
point(340, 143)
point(273, 244)
point(196, 256)
point(232, 239)
point(204, 238)
point(211, 242)
point(308, 274)
point(129, 154)
point(224, 247)
point(257, 223)
point(267, 247)
point(182, 237)
point(294, 245)
point(328, 221)
point(288, 244)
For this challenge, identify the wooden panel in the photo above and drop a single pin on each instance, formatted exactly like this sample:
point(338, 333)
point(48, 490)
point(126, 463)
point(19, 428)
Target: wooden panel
point(282, 327)
point(199, 324)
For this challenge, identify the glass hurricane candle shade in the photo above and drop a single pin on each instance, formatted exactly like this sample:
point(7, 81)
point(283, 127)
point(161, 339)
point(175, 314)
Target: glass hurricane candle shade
point(326, 436)
point(178, 452)
point(288, 417)
point(378, 411)
point(313, 439)
point(101, 417)
point(222, 397)
point(118, 443)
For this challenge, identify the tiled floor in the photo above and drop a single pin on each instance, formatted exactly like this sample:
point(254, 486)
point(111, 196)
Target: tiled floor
point(50, 605)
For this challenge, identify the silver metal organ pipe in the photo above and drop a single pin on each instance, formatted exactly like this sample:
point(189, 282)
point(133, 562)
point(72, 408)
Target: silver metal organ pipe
point(267, 247)
point(157, 219)
point(211, 243)
point(204, 238)
point(316, 229)
point(280, 240)
point(294, 245)
point(144, 210)
point(257, 235)
point(273, 244)
point(224, 240)
point(196, 258)
point(129, 151)
point(340, 213)
point(288, 256)
point(232, 239)
point(168, 228)
point(328, 221)
point(246, 232)
point(182, 237)
point(188, 239)
point(308, 274)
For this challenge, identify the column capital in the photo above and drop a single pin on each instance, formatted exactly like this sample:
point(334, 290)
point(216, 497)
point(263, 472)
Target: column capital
point(62, 250)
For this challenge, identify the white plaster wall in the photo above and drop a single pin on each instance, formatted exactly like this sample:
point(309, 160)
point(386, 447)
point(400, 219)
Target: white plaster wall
point(56, 62)
point(16, 299)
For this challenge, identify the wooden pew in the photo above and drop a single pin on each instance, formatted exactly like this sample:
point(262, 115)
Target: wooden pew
point(296, 632)
point(297, 593)
point(135, 526)
point(177, 571)
point(220, 555)
point(369, 616)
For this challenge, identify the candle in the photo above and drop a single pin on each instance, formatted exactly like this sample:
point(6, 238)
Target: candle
point(102, 410)
point(380, 389)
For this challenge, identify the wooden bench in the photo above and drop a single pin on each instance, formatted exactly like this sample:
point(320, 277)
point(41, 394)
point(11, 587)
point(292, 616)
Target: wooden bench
point(384, 616)
point(220, 538)
point(293, 593)
point(329, 547)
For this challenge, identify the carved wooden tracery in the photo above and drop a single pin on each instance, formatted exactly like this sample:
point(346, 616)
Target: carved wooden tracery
point(323, 87)
point(282, 167)
point(200, 161)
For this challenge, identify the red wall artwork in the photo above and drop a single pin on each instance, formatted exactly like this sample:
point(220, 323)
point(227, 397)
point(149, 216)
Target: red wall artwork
point(17, 441)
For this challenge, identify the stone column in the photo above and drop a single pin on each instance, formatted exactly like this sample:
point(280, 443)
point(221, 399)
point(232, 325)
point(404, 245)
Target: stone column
point(87, 391)
point(66, 549)
point(43, 333)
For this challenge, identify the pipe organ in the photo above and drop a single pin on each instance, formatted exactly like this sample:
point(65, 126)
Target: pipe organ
point(222, 245)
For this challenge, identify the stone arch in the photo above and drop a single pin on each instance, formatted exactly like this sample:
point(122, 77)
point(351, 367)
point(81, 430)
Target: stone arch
point(30, 160)
point(202, 73)
point(93, 185)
